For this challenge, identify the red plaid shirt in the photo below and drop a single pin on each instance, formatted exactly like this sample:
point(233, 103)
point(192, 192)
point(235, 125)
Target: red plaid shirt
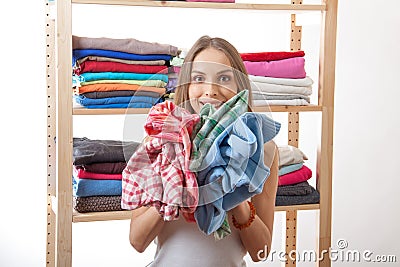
point(158, 172)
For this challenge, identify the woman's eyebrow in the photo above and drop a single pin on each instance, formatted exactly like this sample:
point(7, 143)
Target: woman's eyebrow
point(219, 72)
point(197, 71)
point(223, 71)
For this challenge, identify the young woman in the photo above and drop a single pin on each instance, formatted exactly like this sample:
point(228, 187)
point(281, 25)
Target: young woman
point(213, 72)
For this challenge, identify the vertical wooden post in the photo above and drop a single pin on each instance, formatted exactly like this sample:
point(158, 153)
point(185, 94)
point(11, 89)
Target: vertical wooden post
point(51, 134)
point(293, 140)
point(291, 231)
point(291, 216)
point(293, 128)
point(64, 133)
point(326, 100)
point(295, 35)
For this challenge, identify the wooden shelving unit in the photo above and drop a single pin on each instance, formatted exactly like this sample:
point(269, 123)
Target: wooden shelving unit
point(119, 111)
point(295, 8)
point(60, 215)
point(125, 215)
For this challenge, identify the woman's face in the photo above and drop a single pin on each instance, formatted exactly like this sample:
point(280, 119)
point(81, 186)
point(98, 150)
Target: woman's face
point(212, 79)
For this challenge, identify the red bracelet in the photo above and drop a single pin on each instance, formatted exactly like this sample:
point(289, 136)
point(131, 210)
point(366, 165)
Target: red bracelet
point(251, 219)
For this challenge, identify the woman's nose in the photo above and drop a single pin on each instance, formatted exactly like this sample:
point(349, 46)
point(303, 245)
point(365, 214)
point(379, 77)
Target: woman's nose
point(211, 90)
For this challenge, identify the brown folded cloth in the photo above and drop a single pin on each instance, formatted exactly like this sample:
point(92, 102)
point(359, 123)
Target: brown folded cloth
point(312, 198)
point(97, 203)
point(105, 167)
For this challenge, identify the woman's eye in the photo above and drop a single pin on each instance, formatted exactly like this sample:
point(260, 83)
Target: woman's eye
point(198, 78)
point(224, 78)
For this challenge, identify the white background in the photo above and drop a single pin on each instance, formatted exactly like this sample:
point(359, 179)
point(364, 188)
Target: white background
point(367, 124)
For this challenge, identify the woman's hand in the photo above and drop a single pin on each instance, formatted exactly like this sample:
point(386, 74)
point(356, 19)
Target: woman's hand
point(146, 224)
point(257, 237)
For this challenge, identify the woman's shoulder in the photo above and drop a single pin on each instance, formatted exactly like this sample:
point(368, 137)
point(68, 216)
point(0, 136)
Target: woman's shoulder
point(270, 149)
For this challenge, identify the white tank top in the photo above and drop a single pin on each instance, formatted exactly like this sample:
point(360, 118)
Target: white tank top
point(182, 244)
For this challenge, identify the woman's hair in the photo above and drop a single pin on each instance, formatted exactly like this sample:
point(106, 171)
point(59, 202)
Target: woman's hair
point(184, 80)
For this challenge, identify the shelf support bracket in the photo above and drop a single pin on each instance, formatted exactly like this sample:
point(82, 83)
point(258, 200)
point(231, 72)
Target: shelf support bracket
point(51, 134)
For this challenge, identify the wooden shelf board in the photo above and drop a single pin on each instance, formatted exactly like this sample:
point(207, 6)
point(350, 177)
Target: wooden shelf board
point(109, 111)
point(126, 215)
point(100, 216)
point(119, 111)
point(298, 207)
point(182, 4)
point(287, 108)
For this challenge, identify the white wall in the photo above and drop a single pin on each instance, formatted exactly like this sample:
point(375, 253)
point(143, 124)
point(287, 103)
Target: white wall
point(366, 126)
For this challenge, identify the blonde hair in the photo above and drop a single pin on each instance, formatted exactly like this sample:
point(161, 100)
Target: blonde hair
point(204, 42)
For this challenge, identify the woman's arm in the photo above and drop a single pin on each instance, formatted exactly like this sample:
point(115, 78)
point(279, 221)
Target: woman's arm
point(258, 236)
point(146, 224)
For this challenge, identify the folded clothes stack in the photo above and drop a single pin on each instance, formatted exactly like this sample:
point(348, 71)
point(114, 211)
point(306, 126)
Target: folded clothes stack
point(278, 78)
point(97, 173)
point(120, 73)
point(293, 186)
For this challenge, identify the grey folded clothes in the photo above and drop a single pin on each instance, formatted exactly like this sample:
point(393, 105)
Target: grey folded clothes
point(104, 167)
point(127, 45)
point(285, 200)
point(280, 102)
point(274, 96)
point(299, 189)
point(87, 151)
point(97, 203)
point(258, 87)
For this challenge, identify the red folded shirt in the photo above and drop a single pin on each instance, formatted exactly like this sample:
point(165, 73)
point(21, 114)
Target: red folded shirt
point(270, 56)
point(301, 175)
point(108, 66)
point(82, 174)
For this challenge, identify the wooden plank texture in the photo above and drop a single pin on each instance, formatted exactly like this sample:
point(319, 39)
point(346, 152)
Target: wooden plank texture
point(182, 4)
point(64, 134)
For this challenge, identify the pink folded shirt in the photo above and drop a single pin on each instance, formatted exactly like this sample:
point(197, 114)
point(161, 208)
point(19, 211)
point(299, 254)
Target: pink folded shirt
point(216, 1)
point(82, 174)
point(301, 175)
point(285, 68)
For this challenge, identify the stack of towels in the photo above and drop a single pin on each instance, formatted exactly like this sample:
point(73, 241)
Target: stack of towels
point(293, 186)
point(97, 173)
point(120, 73)
point(278, 78)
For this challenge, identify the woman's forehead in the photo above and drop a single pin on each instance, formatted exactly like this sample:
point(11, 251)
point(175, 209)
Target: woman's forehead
point(212, 55)
point(210, 67)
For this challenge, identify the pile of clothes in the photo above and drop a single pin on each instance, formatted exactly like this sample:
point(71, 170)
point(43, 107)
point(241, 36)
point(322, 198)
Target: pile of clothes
point(97, 173)
point(199, 164)
point(293, 186)
point(278, 78)
point(120, 73)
